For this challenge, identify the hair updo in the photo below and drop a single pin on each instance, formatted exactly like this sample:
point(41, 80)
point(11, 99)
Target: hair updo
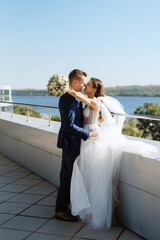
point(98, 85)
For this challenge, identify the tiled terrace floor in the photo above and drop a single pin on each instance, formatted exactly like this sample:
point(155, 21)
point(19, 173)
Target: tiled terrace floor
point(27, 208)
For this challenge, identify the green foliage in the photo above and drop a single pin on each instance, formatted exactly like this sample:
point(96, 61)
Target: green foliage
point(19, 109)
point(56, 118)
point(130, 128)
point(151, 90)
point(150, 128)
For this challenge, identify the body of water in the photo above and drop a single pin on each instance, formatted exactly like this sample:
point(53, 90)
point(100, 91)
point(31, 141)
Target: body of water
point(129, 102)
point(39, 100)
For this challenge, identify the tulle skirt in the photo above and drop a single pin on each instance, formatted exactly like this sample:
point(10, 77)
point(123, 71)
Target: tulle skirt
point(95, 175)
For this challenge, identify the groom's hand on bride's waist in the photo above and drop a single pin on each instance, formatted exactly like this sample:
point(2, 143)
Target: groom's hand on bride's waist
point(93, 133)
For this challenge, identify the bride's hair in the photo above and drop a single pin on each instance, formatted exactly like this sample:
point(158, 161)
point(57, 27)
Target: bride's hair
point(98, 85)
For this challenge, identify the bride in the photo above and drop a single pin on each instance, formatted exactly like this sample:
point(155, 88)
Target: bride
point(95, 171)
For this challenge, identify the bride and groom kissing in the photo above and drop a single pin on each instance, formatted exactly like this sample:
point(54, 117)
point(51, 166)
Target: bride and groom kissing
point(92, 146)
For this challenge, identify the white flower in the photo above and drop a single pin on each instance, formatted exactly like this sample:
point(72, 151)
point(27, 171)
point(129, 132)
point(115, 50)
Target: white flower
point(58, 85)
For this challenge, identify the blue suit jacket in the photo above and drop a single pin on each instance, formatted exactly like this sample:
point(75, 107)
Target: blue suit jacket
point(71, 131)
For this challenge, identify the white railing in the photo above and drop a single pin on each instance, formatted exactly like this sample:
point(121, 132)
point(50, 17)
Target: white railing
point(28, 105)
point(136, 116)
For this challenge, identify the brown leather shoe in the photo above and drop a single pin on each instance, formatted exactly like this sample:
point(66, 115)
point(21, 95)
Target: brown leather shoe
point(66, 216)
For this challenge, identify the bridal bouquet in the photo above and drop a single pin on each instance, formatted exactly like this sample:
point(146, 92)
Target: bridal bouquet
point(58, 85)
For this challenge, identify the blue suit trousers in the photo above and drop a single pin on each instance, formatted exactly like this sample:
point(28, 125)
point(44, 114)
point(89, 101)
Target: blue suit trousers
point(63, 198)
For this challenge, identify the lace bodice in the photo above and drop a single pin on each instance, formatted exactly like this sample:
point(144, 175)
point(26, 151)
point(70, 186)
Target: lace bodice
point(90, 117)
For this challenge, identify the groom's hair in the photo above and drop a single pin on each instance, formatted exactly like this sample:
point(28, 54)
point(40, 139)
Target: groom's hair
point(76, 74)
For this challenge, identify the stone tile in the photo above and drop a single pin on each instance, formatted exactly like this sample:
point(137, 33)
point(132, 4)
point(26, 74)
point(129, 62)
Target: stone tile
point(41, 236)
point(59, 227)
point(24, 223)
point(28, 182)
point(49, 201)
point(16, 174)
point(5, 160)
point(10, 167)
point(39, 211)
point(111, 234)
point(2, 172)
point(47, 184)
point(129, 235)
point(83, 239)
point(15, 164)
point(40, 190)
point(35, 218)
point(5, 217)
point(22, 169)
point(6, 195)
point(26, 198)
point(54, 194)
point(34, 176)
point(8, 234)
point(12, 208)
point(14, 188)
point(2, 184)
point(6, 180)
point(2, 156)
point(2, 163)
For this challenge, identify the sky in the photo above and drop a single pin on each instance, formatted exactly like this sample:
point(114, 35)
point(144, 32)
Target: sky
point(117, 41)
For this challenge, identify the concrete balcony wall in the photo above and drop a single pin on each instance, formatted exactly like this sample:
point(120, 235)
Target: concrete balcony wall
point(33, 145)
point(139, 190)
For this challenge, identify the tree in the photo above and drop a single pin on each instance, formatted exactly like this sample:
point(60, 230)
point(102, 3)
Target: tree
point(19, 109)
point(56, 118)
point(131, 129)
point(150, 128)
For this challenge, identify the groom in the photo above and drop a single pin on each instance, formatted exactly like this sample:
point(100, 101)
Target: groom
point(69, 138)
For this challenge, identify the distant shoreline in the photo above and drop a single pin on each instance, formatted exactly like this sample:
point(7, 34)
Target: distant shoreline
point(144, 91)
point(105, 94)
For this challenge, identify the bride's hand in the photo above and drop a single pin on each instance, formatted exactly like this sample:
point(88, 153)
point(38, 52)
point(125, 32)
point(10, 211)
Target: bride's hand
point(93, 133)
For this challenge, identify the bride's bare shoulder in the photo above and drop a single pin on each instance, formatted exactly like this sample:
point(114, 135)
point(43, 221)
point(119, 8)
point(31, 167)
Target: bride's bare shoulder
point(95, 105)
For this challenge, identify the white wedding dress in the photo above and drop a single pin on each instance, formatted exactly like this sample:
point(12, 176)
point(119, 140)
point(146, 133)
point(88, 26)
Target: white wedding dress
point(95, 171)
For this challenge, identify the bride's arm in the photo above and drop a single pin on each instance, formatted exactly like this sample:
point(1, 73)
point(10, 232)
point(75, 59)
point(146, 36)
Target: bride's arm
point(88, 101)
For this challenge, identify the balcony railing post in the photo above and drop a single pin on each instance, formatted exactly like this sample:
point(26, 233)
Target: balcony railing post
point(12, 116)
point(49, 117)
point(27, 113)
point(0, 109)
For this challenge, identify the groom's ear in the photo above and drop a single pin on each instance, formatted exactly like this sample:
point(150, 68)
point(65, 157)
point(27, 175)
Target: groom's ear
point(75, 82)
